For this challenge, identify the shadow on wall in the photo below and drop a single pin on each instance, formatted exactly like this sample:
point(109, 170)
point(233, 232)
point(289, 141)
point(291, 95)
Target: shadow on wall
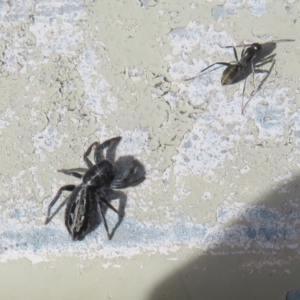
point(267, 268)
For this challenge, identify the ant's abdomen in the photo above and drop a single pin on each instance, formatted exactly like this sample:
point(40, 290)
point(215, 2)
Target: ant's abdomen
point(231, 75)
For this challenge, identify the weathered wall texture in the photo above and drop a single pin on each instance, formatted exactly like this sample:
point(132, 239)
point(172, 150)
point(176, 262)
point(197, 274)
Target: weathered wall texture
point(218, 215)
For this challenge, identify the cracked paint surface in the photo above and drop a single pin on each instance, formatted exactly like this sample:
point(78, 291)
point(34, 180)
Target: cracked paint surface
point(215, 178)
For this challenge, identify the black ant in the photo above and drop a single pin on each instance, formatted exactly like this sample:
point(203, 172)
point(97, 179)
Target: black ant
point(250, 56)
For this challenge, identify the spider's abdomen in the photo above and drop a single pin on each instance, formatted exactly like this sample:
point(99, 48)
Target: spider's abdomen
point(99, 175)
point(78, 212)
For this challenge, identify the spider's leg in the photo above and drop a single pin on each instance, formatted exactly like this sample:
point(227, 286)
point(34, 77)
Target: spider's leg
point(74, 172)
point(115, 228)
point(102, 199)
point(110, 145)
point(87, 153)
point(70, 188)
point(104, 220)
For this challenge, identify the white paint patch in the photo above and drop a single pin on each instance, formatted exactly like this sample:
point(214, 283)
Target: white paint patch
point(257, 7)
point(181, 193)
point(295, 121)
point(284, 177)
point(166, 177)
point(98, 96)
point(48, 140)
point(14, 12)
point(134, 142)
point(271, 113)
point(6, 118)
point(54, 26)
point(201, 151)
point(185, 39)
point(207, 196)
point(245, 170)
point(52, 30)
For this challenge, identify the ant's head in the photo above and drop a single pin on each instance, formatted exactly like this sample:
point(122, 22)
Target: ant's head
point(256, 46)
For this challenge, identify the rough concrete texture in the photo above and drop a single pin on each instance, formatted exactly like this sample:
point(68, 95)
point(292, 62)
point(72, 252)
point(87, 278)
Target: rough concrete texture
point(218, 215)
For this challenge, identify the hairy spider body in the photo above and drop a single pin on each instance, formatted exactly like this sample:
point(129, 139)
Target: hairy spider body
point(83, 202)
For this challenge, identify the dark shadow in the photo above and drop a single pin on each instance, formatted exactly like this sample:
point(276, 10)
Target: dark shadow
point(250, 272)
point(130, 170)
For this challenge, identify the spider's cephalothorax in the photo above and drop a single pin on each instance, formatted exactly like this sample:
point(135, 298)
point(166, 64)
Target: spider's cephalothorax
point(82, 203)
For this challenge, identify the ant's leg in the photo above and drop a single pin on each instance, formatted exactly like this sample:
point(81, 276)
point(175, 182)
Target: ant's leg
point(87, 153)
point(216, 63)
point(261, 83)
point(265, 61)
point(73, 172)
point(243, 108)
point(281, 41)
point(111, 145)
point(252, 67)
point(260, 71)
point(69, 188)
point(251, 96)
point(243, 52)
point(255, 70)
point(234, 51)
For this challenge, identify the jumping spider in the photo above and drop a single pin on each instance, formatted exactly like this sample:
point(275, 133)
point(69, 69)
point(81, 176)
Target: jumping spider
point(97, 180)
